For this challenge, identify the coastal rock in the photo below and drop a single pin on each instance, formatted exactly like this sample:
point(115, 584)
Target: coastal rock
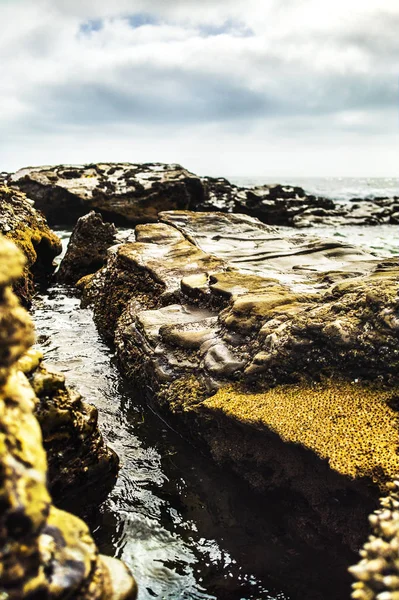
point(135, 193)
point(377, 573)
point(44, 552)
point(121, 192)
point(80, 465)
point(25, 226)
point(87, 248)
point(280, 352)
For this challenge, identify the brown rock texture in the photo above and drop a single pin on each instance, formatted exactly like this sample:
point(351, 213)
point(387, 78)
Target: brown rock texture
point(280, 352)
point(25, 226)
point(137, 193)
point(44, 552)
point(377, 573)
point(87, 248)
point(82, 470)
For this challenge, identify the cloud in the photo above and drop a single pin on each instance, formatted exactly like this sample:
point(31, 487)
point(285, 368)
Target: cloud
point(262, 70)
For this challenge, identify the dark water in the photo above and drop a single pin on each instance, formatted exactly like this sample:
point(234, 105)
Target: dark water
point(179, 522)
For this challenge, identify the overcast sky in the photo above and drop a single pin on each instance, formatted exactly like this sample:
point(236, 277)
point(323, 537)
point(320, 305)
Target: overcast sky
point(224, 87)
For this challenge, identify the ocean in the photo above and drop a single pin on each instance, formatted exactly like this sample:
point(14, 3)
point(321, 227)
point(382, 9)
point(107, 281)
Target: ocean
point(337, 188)
point(381, 240)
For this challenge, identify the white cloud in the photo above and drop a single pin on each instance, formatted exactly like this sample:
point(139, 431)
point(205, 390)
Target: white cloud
point(218, 84)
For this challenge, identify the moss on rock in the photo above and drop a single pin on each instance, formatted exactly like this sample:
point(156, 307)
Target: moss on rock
point(28, 229)
point(351, 425)
point(44, 553)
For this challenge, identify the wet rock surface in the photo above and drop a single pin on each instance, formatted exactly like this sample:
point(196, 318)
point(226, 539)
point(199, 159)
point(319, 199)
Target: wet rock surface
point(25, 226)
point(136, 193)
point(81, 468)
point(246, 334)
point(45, 553)
point(377, 572)
point(87, 248)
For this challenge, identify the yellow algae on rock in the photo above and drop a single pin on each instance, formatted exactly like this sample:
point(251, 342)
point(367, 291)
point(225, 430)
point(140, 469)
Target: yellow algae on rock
point(28, 228)
point(44, 552)
point(350, 425)
point(377, 572)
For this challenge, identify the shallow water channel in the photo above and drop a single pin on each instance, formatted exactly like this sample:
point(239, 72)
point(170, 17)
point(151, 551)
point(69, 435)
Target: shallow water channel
point(173, 517)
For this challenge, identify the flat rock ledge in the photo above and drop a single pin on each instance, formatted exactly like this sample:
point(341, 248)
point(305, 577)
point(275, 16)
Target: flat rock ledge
point(44, 552)
point(279, 352)
point(128, 193)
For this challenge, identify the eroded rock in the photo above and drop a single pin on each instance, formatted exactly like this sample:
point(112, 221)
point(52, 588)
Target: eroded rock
point(136, 193)
point(81, 468)
point(280, 352)
point(44, 552)
point(25, 226)
point(126, 193)
point(87, 248)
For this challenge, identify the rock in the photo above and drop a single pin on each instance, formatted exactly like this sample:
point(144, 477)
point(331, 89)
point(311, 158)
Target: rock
point(25, 226)
point(127, 277)
point(44, 552)
point(377, 573)
point(135, 193)
point(87, 248)
point(279, 351)
point(281, 205)
point(82, 470)
point(122, 192)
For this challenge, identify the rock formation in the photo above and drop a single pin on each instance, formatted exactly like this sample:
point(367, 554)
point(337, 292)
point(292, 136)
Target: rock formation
point(81, 468)
point(135, 193)
point(288, 344)
point(87, 248)
point(25, 226)
point(377, 573)
point(44, 552)
point(123, 192)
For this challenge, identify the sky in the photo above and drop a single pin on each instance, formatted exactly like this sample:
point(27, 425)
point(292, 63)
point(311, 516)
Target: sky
point(294, 88)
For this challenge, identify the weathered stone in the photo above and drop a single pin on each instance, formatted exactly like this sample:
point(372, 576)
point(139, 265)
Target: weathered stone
point(87, 248)
point(81, 468)
point(279, 351)
point(126, 193)
point(377, 573)
point(25, 226)
point(136, 193)
point(157, 261)
point(44, 552)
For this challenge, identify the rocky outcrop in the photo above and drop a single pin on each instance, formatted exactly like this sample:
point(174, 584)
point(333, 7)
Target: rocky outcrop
point(377, 573)
point(279, 352)
point(82, 470)
point(25, 226)
point(122, 192)
point(136, 193)
point(44, 552)
point(87, 248)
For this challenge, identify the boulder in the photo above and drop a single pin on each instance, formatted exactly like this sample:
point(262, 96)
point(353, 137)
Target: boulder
point(279, 352)
point(44, 552)
point(87, 248)
point(25, 226)
point(121, 192)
